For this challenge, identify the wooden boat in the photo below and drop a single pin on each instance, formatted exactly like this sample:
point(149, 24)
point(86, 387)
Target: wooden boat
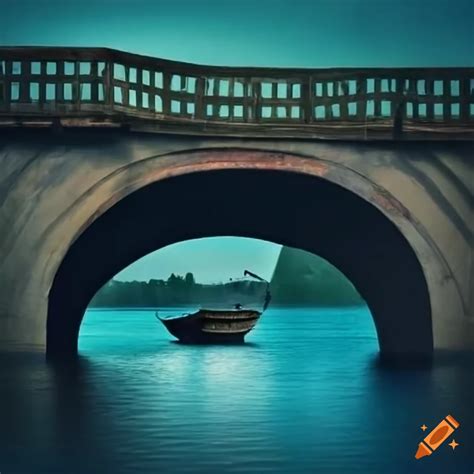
point(216, 326)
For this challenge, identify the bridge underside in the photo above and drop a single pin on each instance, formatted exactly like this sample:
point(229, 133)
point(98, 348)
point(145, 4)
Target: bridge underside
point(287, 208)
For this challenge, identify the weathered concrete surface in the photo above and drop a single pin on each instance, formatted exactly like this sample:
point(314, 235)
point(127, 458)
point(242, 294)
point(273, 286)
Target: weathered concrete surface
point(52, 187)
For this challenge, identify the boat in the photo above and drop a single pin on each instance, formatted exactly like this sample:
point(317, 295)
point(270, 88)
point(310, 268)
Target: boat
point(217, 326)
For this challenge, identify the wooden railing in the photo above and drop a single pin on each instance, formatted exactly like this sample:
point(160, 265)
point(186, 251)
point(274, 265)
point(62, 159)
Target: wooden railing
point(92, 87)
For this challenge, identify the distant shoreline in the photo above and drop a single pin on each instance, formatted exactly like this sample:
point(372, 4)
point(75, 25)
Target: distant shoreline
point(300, 280)
point(158, 308)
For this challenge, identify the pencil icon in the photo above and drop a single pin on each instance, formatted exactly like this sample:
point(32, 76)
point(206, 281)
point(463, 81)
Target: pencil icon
point(437, 437)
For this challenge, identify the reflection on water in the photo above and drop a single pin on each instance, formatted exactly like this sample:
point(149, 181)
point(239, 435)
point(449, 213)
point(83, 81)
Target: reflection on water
point(305, 395)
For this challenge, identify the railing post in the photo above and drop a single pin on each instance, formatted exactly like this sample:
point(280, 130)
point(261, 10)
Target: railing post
point(166, 97)
point(108, 85)
point(24, 82)
point(377, 97)
point(199, 112)
point(399, 110)
point(42, 86)
point(3, 101)
point(139, 88)
point(59, 87)
point(94, 74)
point(8, 85)
point(76, 87)
point(464, 95)
point(257, 94)
point(247, 102)
point(447, 100)
point(306, 99)
point(429, 89)
point(361, 98)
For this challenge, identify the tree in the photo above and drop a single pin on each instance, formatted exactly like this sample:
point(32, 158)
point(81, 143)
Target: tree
point(189, 279)
point(172, 280)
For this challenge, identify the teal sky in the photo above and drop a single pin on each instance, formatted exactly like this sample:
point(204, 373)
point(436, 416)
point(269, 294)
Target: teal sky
point(211, 260)
point(318, 33)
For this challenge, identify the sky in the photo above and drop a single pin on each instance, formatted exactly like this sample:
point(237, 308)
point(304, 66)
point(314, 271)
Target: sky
point(211, 260)
point(317, 33)
point(279, 33)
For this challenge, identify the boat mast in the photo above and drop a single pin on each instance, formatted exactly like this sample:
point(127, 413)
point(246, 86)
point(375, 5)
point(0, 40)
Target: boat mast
point(268, 295)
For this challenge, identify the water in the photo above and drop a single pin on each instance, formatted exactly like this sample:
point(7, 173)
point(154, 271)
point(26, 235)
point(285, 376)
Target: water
point(305, 395)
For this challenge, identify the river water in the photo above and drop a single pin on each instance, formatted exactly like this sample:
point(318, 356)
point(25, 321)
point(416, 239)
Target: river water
point(306, 394)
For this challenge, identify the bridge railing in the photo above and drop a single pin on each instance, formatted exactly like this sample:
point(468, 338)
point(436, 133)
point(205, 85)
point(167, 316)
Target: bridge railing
point(93, 86)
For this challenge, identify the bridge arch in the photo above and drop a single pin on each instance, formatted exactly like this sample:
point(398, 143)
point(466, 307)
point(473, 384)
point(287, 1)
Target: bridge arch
point(312, 204)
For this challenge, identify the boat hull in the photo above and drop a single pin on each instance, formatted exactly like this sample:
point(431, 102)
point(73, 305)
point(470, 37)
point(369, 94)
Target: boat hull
point(212, 326)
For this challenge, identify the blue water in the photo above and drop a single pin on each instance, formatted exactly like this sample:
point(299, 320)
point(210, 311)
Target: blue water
point(306, 394)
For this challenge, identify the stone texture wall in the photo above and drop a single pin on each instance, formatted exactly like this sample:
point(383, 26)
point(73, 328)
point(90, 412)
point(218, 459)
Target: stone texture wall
point(53, 186)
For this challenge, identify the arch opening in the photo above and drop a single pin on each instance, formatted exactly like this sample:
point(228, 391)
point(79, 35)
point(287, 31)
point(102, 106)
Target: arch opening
point(295, 210)
point(184, 277)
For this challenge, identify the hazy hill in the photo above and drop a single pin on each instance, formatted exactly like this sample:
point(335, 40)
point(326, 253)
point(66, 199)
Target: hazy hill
point(303, 278)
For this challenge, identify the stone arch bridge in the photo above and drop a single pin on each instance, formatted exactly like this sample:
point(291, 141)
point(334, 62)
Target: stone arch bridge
point(106, 156)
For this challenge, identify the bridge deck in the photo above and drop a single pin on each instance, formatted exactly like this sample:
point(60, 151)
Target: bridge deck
point(96, 87)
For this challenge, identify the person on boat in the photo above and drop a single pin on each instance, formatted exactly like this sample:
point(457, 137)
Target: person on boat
point(237, 306)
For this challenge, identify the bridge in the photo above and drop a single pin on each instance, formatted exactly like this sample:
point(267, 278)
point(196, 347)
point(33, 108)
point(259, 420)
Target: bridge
point(106, 156)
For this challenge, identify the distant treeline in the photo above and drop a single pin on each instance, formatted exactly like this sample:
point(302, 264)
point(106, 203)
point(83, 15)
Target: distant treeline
point(300, 278)
point(175, 291)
